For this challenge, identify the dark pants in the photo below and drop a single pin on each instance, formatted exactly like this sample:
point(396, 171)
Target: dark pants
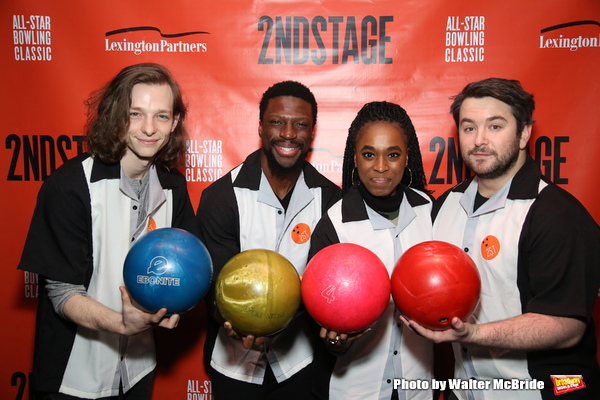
point(299, 386)
point(141, 391)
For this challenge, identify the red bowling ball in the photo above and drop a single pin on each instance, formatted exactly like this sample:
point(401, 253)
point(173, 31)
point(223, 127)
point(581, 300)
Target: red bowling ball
point(435, 281)
point(346, 287)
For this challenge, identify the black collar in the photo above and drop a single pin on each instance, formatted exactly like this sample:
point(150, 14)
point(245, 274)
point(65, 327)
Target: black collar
point(524, 184)
point(354, 208)
point(100, 171)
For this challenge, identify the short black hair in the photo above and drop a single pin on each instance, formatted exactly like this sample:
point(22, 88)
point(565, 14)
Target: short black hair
point(288, 88)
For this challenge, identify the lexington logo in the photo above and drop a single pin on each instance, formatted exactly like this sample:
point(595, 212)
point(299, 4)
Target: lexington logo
point(127, 40)
point(562, 36)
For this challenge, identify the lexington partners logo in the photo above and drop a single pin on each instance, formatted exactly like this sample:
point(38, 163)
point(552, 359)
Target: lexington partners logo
point(328, 163)
point(563, 36)
point(130, 40)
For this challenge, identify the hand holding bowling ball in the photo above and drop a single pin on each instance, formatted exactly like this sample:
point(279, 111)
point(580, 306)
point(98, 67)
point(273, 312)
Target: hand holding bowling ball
point(258, 292)
point(457, 331)
point(167, 268)
point(345, 288)
point(136, 320)
point(433, 282)
point(340, 342)
point(248, 341)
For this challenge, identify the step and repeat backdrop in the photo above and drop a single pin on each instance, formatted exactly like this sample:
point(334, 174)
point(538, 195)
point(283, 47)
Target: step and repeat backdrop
point(225, 54)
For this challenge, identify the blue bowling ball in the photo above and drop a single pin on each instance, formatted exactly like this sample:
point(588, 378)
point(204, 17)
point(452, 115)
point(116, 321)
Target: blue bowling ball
point(167, 268)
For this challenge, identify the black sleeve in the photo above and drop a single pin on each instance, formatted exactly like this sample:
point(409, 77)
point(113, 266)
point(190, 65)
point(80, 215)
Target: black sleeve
point(59, 243)
point(437, 204)
point(183, 212)
point(560, 268)
point(331, 195)
point(324, 235)
point(217, 226)
point(557, 251)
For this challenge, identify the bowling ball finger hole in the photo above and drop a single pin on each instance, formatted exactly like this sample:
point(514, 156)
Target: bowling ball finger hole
point(443, 320)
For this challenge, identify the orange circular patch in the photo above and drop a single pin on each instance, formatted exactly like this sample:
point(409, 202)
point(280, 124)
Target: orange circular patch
point(301, 233)
point(151, 224)
point(490, 247)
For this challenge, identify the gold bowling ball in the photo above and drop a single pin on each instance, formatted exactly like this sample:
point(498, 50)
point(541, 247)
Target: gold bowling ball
point(258, 291)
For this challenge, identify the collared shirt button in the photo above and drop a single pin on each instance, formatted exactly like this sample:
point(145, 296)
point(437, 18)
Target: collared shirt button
point(135, 207)
point(279, 212)
point(466, 249)
point(395, 352)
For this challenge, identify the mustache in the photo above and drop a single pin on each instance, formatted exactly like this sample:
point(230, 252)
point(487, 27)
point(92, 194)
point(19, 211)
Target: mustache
point(482, 149)
point(282, 142)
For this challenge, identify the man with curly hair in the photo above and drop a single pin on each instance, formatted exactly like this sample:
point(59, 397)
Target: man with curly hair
point(91, 341)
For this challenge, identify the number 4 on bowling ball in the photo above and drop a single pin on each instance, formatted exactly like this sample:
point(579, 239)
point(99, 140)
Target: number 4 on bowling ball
point(328, 293)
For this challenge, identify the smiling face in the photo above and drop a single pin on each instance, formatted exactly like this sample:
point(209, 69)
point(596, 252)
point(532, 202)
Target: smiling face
point(286, 132)
point(381, 154)
point(489, 142)
point(151, 122)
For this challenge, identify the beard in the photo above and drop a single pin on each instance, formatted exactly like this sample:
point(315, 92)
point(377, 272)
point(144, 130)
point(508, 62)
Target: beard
point(280, 170)
point(501, 165)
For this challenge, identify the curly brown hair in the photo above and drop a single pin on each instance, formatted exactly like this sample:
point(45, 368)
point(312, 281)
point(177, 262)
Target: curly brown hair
point(108, 116)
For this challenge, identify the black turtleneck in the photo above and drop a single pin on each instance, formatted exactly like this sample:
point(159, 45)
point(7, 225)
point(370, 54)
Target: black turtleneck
point(389, 207)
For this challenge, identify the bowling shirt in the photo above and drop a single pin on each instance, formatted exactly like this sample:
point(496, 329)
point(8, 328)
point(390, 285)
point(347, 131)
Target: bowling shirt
point(240, 212)
point(83, 225)
point(389, 351)
point(535, 247)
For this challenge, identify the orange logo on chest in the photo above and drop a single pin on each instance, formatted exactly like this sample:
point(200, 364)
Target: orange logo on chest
point(301, 233)
point(490, 247)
